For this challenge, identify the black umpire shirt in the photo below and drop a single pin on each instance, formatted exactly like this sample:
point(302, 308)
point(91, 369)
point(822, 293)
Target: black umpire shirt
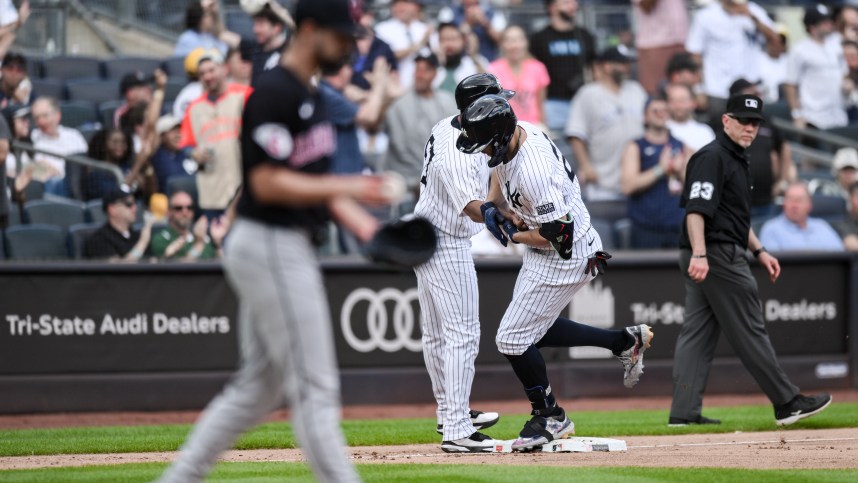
point(285, 125)
point(718, 186)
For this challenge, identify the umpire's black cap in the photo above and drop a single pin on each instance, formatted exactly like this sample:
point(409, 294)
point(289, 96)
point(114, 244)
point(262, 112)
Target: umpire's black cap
point(336, 15)
point(475, 86)
point(745, 106)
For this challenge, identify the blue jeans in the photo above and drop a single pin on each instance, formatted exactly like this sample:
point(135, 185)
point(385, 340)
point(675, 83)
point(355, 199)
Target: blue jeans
point(556, 115)
point(56, 186)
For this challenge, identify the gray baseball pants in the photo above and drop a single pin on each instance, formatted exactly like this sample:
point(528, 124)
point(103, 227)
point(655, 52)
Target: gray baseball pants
point(727, 301)
point(287, 355)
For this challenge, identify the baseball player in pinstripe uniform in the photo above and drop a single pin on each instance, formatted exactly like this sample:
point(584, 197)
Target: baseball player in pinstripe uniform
point(565, 253)
point(453, 187)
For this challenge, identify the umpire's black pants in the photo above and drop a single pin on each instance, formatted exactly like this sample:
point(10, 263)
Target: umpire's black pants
point(726, 301)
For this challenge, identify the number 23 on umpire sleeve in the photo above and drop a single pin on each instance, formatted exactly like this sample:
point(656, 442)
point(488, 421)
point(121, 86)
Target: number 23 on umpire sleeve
point(701, 190)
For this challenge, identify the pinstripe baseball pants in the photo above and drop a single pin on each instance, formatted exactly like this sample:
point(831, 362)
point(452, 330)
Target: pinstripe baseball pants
point(287, 355)
point(546, 284)
point(449, 304)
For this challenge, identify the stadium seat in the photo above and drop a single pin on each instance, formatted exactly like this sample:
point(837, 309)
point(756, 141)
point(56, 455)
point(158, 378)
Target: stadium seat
point(107, 109)
point(119, 66)
point(611, 210)
point(777, 109)
point(850, 132)
point(93, 90)
point(829, 208)
point(172, 89)
point(78, 234)
point(88, 131)
point(71, 67)
point(34, 66)
point(49, 87)
point(36, 242)
point(78, 113)
point(35, 190)
point(62, 213)
point(94, 211)
point(14, 215)
point(606, 232)
point(175, 67)
point(623, 233)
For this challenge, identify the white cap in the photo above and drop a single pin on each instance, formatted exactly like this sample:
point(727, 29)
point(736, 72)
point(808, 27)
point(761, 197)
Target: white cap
point(844, 158)
point(166, 123)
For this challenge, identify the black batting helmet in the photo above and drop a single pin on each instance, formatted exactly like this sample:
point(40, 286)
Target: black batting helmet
point(478, 85)
point(488, 121)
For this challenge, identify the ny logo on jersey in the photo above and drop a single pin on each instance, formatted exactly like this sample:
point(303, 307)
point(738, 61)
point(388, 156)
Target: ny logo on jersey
point(513, 196)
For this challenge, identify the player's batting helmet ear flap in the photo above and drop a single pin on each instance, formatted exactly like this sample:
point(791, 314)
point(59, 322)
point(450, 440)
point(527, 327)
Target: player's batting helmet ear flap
point(478, 85)
point(489, 121)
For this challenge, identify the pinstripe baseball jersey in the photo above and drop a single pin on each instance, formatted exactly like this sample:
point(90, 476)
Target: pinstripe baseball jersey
point(539, 184)
point(450, 180)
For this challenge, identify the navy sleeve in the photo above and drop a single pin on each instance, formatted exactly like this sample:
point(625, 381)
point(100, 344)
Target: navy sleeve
point(341, 111)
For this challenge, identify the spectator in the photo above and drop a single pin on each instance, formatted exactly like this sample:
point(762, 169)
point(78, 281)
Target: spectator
point(772, 167)
point(567, 51)
point(850, 54)
point(662, 27)
point(477, 17)
point(682, 125)
point(368, 48)
point(11, 20)
point(815, 73)
point(52, 136)
point(606, 114)
point(457, 58)
point(653, 168)
point(845, 23)
point(184, 239)
point(202, 29)
point(269, 37)
point(407, 132)
point(727, 38)
point(348, 115)
point(795, 229)
point(116, 240)
point(848, 229)
point(18, 121)
point(136, 89)
point(844, 167)
point(239, 70)
point(518, 71)
point(15, 87)
point(773, 67)
point(406, 35)
point(193, 89)
point(6, 194)
point(683, 69)
point(112, 146)
point(211, 126)
point(170, 159)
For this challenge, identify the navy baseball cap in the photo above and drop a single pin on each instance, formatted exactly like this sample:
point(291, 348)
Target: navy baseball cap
point(338, 15)
point(114, 195)
point(619, 54)
point(815, 14)
point(745, 106)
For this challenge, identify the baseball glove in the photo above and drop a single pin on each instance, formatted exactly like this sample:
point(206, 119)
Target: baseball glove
point(403, 242)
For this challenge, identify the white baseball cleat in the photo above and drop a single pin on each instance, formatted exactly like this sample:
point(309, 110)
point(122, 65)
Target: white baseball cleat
point(475, 443)
point(632, 358)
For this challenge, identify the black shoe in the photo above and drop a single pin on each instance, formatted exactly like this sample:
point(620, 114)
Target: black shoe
point(475, 443)
point(679, 422)
point(479, 419)
point(801, 407)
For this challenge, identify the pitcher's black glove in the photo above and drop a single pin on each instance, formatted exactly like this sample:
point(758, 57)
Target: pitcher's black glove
point(559, 234)
point(598, 263)
point(493, 220)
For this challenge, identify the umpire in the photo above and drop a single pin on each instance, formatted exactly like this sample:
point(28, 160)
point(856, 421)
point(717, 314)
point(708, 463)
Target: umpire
point(720, 293)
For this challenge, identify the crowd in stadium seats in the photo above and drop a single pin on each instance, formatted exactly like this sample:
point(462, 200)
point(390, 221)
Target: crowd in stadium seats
point(627, 116)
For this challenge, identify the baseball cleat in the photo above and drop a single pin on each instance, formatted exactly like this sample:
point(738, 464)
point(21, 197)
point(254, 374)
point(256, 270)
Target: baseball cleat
point(632, 358)
point(801, 407)
point(475, 443)
point(479, 419)
point(543, 429)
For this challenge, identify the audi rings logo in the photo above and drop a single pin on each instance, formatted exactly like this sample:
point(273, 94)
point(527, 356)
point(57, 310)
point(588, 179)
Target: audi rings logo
point(378, 317)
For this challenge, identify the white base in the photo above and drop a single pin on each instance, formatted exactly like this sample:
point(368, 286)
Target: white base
point(571, 445)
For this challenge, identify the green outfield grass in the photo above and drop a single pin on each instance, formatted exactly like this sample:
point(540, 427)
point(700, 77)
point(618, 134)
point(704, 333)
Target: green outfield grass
point(125, 439)
point(293, 472)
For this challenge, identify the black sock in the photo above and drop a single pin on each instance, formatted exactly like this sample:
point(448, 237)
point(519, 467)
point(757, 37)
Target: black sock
point(567, 333)
point(531, 371)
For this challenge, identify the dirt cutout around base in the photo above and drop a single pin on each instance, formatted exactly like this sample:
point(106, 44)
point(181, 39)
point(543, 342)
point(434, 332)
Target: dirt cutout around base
point(798, 449)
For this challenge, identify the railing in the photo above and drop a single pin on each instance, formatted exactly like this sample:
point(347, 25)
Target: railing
point(72, 158)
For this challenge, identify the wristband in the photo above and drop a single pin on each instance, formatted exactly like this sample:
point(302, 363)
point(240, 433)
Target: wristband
point(659, 171)
point(136, 253)
point(698, 256)
point(759, 251)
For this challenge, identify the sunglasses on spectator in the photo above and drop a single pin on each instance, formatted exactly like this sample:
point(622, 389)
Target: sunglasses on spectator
point(182, 208)
point(745, 121)
point(129, 202)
